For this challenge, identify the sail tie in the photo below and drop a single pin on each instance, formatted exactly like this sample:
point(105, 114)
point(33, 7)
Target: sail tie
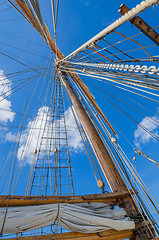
point(5, 216)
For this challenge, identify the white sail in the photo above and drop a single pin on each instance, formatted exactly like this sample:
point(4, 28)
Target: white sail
point(85, 217)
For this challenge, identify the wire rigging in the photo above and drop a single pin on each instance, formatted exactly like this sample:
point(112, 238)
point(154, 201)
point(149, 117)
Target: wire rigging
point(100, 61)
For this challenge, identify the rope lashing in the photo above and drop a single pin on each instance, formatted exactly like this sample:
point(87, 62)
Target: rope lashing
point(121, 67)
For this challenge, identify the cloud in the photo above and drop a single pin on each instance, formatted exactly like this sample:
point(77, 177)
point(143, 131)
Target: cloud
point(141, 137)
point(87, 3)
point(29, 140)
point(42, 130)
point(5, 86)
point(75, 141)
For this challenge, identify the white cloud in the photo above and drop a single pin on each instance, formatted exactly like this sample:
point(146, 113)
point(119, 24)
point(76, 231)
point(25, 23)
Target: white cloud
point(30, 139)
point(75, 141)
point(5, 86)
point(40, 128)
point(141, 136)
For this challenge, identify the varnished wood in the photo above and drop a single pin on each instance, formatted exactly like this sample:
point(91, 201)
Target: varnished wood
point(106, 235)
point(104, 158)
point(144, 223)
point(141, 25)
point(17, 201)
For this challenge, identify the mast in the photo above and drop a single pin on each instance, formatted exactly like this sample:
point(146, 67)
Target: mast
point(109, 168)
point(103, 156)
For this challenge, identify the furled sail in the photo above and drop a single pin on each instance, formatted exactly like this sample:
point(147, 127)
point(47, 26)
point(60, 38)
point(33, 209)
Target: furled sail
point(83, 217)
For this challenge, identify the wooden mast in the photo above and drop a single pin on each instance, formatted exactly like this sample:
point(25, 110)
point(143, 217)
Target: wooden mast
point(106, 162)
point(104, 158)
point(108, 166)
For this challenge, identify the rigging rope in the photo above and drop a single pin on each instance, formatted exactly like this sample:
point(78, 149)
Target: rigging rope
point(121, 67)
point(85, 142)
point(148, 226)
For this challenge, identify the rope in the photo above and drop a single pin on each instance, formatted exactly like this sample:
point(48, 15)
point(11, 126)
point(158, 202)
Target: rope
point(99, 78)
point(27, 141)
point(120, 83)
point(132, 13)
point(139, 152)
point(83, 135)
point(121, 67)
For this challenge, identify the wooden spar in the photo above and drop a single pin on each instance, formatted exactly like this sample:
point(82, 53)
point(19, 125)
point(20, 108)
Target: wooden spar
point(119, 22)
point(107, 164)
point(106, 235)
point(17, 201)
point(141, 25)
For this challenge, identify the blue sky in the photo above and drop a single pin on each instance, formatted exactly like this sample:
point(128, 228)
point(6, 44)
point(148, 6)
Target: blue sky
point(78, 21)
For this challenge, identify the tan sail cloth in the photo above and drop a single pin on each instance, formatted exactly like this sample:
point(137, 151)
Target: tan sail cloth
point(83, 217)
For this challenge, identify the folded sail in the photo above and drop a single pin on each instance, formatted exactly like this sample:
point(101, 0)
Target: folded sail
point(83, 217)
